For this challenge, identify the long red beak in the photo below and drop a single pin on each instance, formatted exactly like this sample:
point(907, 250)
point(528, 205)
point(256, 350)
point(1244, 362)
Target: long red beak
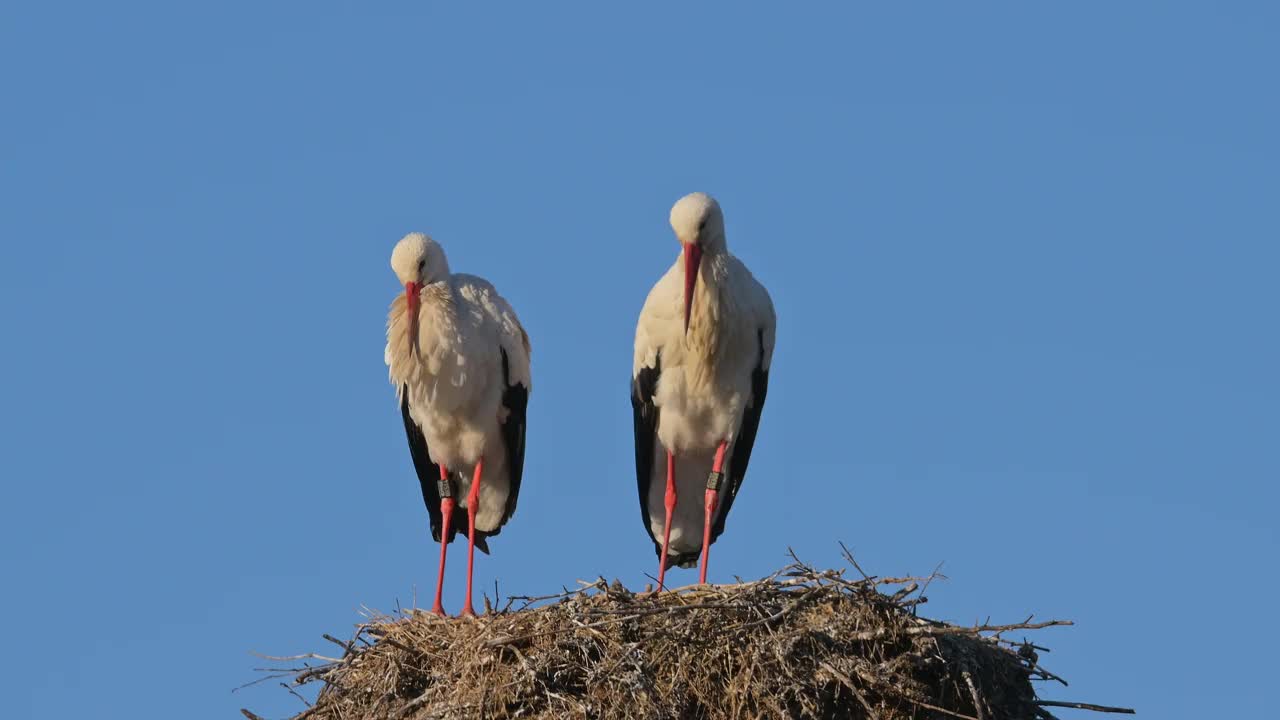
point(692, 258)
point(411, 290)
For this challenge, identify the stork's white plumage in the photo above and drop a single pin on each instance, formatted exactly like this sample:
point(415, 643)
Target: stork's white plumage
point(703, 348)
point(459, 360)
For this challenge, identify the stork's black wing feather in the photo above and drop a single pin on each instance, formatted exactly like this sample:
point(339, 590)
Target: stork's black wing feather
point(645, 416)
point(428, 472)
point(746, 439)
point(516, 399)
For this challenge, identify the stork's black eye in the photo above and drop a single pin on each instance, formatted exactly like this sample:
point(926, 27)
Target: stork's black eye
point(702, 225)
point(422, 263)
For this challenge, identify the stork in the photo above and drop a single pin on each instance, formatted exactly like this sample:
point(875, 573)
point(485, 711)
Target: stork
point(704, 343)
point(459, 360)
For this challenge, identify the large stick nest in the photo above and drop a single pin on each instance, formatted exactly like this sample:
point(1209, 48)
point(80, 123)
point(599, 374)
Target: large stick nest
point(801, 643)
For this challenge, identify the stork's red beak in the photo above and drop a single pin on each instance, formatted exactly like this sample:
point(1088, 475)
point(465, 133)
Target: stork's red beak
point(411, 290)
point(692, 258)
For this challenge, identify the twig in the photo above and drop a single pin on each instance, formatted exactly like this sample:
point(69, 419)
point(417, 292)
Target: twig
point(511, 640)
point(872, 680)
point(935, 708)
point(935, 574)
point(952, 629)
point(903, 592)
point(667, 610)
point(848, 682)
point(287, 658)
point(787, 610)
point(848, 555)
point(531, 599)
point(397, 644)
point(1087, 706)
point(349, 647)
point(295, 694)
point(413, 704)
point(1046, 675)
point(973, 692)
point(276, 673)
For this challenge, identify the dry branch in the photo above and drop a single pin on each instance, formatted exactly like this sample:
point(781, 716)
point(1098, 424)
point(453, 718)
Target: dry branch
point(801, 642)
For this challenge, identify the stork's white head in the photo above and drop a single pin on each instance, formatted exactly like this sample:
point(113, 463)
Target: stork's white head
point(697, 220)
point(417, 261)
point(699, 226)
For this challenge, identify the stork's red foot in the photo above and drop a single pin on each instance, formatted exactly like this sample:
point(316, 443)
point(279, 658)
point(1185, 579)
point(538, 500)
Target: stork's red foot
point(446, 511)
point(669, 503)
point(473, 502)
point(712, 499)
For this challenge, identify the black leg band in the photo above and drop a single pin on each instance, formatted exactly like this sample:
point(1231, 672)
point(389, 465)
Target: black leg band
point(714, 480)
point(445, 488)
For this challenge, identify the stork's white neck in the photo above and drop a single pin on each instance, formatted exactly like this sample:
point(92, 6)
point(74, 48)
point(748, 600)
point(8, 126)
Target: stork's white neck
point(703, 339)
point(437, 324)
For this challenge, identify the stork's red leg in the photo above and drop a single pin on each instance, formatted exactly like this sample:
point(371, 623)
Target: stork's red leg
point(669, 502)
point(473, 503)
point(713, 493)
point(446, 511)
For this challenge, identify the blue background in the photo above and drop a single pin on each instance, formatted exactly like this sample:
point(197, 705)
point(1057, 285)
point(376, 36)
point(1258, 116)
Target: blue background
point(1023, 255)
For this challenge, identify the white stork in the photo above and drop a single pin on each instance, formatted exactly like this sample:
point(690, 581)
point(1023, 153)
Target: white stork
point(703, 347)
point(459, 360)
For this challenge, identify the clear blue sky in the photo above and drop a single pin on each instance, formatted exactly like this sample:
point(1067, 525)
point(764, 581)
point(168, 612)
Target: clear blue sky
point(1024, 259)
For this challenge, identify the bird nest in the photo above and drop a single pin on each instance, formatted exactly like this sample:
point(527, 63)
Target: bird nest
point(803, 643)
